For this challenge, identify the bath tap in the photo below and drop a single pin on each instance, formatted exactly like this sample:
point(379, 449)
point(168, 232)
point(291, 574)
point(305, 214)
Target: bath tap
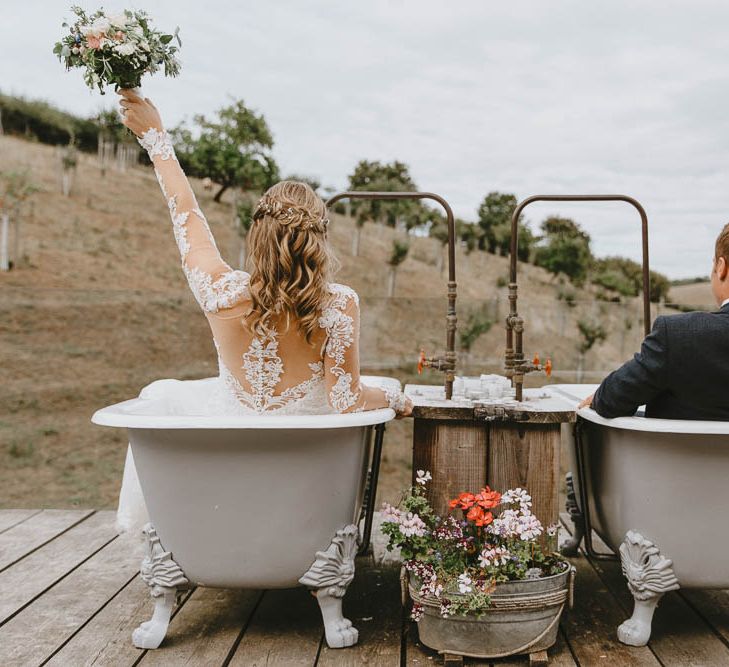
point(447, 361)
point(514, 363)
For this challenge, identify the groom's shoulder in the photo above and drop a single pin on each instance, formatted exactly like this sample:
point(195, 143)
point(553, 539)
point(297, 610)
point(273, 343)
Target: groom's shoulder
point(693, 320)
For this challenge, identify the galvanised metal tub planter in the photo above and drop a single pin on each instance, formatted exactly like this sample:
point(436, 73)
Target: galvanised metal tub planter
point(523, 618)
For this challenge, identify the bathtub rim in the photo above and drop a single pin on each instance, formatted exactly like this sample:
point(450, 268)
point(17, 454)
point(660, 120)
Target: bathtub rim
point(576, 392)
point(121, 415)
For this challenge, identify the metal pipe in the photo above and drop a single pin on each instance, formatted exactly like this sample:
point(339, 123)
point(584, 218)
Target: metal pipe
point(514, 362)
point(372, 490)
point(583, 494)
point(447, 362)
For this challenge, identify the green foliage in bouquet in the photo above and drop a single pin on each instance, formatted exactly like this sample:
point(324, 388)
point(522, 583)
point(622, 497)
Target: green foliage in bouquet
point(457, 560)
point(116, 49)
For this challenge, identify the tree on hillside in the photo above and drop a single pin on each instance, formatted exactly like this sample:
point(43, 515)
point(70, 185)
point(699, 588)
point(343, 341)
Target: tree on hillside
point(244, 218)
point(591, 333)
point(399, 252)
point(384, 177)
point(468, 234)
point(625, 276)
point(465, 232)
point(15, 189)
point(564, 247)
point(234, 149)
point(494, 221)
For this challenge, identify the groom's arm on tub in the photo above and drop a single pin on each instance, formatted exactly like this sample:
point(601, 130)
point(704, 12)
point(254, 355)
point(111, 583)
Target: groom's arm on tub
point(212, 281)
point(639, 380)
point(345, 391)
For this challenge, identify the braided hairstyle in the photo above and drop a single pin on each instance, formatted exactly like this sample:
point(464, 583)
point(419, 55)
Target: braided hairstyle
point(289, 258)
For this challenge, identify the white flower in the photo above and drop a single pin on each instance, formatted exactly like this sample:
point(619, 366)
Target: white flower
point(464, 583)
point(125, 49)
point(119, 20)
point(100, 25)
point(553, 529)
point(390, 514)
point(423, 477)
point(412, 525)
point(66, 51)
point(517, 495)
point(530, 527)
point(493, 556)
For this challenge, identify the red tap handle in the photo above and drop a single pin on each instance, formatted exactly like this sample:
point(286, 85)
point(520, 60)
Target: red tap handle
point(548, 367)
point(535, 361)
point(421, 361)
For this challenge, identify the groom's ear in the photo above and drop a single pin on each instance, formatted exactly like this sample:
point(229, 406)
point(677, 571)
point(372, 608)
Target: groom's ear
point(722, 269)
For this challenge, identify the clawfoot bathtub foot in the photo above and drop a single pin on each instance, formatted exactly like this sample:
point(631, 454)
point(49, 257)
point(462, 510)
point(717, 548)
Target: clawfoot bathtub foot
point(329, 577)
point(151, 633)
point(571, 547)
point(164, 577)
point(650, 575)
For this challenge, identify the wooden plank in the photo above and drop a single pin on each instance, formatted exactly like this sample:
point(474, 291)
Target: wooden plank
point(528, 456)
point(10, 518)
point(373, 605)
point(106, 640)
point(286, 629)
point(47, 623)
point(591, 626)
point(28, 535)
point(38, 571)
point(538, 406)
point(204, 632)
point(456, 454)
point(680, 636)
point(712, 606)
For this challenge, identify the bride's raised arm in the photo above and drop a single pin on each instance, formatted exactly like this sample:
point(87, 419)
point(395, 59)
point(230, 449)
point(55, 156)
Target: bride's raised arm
point(212, 281)
point(346, 392)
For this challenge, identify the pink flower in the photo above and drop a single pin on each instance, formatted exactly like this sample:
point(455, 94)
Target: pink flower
point(93, 42)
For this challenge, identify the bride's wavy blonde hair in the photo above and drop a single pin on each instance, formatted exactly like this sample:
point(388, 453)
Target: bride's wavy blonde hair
point(289, 258)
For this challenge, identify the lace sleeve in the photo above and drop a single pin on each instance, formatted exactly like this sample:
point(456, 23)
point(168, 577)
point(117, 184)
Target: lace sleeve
point(213, 283)
point(346, 393)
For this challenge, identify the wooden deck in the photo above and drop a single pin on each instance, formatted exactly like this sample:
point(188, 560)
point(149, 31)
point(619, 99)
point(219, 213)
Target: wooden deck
point(70, 596)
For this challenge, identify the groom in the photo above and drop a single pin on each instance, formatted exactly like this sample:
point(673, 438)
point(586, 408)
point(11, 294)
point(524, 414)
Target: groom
point(682, 369)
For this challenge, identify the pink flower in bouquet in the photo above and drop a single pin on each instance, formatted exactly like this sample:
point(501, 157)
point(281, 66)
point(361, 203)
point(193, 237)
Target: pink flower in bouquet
point(93, 42)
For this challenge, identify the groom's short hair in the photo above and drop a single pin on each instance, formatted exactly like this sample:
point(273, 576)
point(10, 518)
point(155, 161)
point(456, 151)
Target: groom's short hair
point(721, 249)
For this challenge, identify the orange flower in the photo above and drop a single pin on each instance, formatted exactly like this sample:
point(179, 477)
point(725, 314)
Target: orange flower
point(479, 517)
point(93, 42)
point(464, 501)
point(488, 498)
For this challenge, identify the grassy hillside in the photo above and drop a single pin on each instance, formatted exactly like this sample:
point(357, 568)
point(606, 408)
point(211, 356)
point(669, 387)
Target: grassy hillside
point(98, 307)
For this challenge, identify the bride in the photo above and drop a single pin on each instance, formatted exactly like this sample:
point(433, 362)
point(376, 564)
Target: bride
point(287, 338)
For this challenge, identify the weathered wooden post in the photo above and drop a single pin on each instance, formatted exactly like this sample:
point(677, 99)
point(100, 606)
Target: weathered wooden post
point(4, 238)
point(466, 446)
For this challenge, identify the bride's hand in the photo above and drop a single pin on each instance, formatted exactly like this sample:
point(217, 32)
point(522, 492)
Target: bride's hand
point(407, 410)
point(138, 114)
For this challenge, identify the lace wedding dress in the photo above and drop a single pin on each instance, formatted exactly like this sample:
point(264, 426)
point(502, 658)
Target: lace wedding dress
point(279, 373)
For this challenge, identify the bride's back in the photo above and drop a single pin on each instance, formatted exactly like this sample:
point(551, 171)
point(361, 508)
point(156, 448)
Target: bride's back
point(284, 321)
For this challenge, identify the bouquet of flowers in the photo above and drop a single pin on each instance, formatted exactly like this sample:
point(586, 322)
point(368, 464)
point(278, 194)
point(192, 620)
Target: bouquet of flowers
point(117, 49)
point(458, 560)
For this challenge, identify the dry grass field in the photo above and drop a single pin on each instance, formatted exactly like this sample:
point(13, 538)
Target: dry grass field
point(98, 307)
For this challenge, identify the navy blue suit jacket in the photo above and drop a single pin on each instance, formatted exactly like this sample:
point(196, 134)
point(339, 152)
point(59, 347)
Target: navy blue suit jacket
point(681, 371)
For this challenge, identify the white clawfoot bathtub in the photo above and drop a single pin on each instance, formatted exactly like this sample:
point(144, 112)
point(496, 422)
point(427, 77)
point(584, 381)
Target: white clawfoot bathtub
point(247, 501)
point(656, 492)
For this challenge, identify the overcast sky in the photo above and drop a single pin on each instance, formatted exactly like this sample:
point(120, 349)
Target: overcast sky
point(545, 97)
